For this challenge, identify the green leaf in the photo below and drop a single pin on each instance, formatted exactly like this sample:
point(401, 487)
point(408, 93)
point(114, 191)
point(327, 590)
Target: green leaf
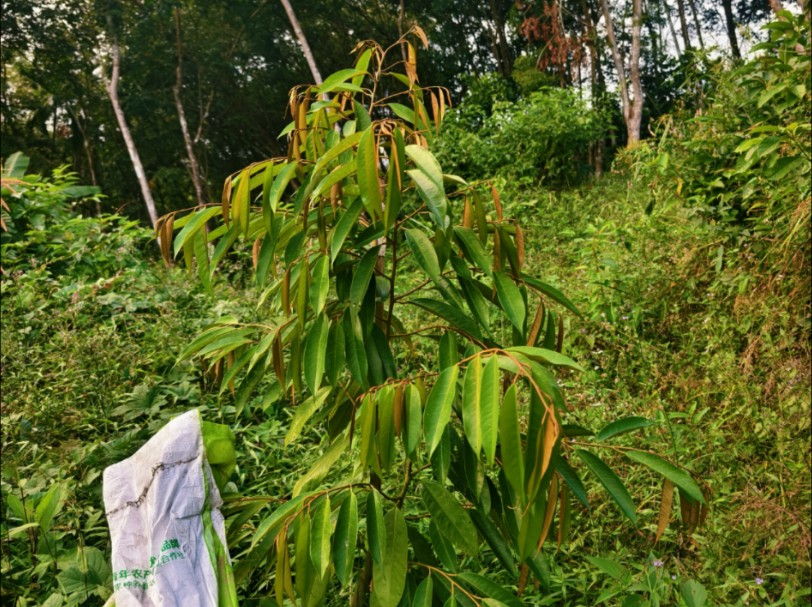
point(424, 252)
point(693, 593)
point(361, 64)
point(610, 481)
point(201, 251)
point(368, 172)
point(304, 569)
point(443, 548)
point(15, 166)
point(389, 580)
point(315, 353)
point(363, 274)
point(376, 533)
point(511, 444)
point(88, 574)
point(572, 479)
point(486, 588)
point(472, 403)
point(345, 537)
point(320, 284)
point(354, 345)
point(549, 357)
point(336, 352)
point(551, 292)
point(489, 408)
point(49, 506)
point(335, 176)
point(334, 152)
point(343, 227)
point(366, 428)
point(449, 354)
point(322, 465)
point(450, 517)
point(620, 426)
point(473, 249)
point(280, 183)
point(427, 163)
point(414, 407)
point(432, 194)
point(386, 431)
point(194, 225)
point(608, 566)
point(304, 412)
point(438, 407)
point(679, 477)
point(510, 299)
point(271, 525)
point(320, 536)
point(494, 538)
point(424, 594)
point(456, 317)
point(340, 77)
point(403, 112)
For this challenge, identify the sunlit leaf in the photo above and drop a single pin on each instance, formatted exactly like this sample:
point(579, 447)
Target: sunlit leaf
point(450, 517)
point(345, 537)
point(610, 481)
point(679, 477)
point(438, 407)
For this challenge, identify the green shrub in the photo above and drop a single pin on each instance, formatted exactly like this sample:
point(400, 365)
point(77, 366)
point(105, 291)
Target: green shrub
point(44, 232)
point(743, 160)
point(542, 139)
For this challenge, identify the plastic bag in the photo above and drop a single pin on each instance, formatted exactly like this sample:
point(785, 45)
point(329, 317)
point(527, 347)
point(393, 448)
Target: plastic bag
point(162, 506)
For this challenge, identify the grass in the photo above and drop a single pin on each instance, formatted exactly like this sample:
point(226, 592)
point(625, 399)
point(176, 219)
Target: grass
point(717, 354)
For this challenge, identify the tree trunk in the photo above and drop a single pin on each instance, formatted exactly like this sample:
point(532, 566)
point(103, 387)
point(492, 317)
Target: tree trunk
point(297, 30)
point(632, 105)
point(596, 153)
point(504, 59)
point(671, 27)
point(401, 15)
point(112, 92)
point(683, 24)
point(194, 166)
point(635, 112)
point(695, 15)
point(731, 28)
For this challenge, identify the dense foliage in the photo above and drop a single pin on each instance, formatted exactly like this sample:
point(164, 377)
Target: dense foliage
point(544, 138)
point(375, 332)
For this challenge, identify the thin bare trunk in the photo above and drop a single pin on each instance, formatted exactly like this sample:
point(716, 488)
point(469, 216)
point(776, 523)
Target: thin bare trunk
point(401, 15)
point(695, 15)
point(635, 112)
point(683, 24)
point(297, 29)
point(194, 166)
point(617, 56)
point(632, 104)
point(671, 27)
point(112, 92)
point(596, 152)
point(730, 24)
point(87, 150)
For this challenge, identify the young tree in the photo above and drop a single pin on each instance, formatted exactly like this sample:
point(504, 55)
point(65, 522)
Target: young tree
point(343, 243)
point(111, 86)
point(632, 101)
point(730, 28)
point(302, 39)
point(194, 165)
